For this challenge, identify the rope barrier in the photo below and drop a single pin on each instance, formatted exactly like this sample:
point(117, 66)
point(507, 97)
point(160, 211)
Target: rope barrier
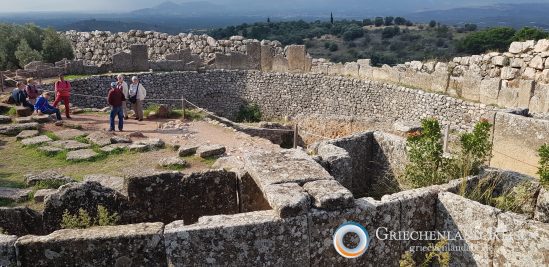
point(315, 135)
point(511, 157)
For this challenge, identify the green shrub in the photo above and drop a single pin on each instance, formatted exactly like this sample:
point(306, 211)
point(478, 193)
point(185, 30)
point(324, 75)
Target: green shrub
point(425, 151)
point(83, 220)
point(249, 113)
point(25, 54)
point(497, 38)
point(12, 111)
point(544, 165)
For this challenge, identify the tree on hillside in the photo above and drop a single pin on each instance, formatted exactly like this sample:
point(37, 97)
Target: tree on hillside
point(367, 22)
point(55, 47)
point(378, 21)
point(25, 54)
point(390, 32)
point(400, 21)
point(498, 38)
point(353, 33)
point(432, 23)
point(388, 21)
point(528, 33)
point(332, 18)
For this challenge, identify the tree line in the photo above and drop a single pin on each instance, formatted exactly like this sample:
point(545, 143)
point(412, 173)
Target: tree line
point(21, 44)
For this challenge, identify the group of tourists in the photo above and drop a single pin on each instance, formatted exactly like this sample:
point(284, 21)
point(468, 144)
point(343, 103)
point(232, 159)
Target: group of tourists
point(120, 93)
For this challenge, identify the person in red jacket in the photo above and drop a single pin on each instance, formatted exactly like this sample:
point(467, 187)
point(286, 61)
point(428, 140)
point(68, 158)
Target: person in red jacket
point(63, 92)
point(116, 98)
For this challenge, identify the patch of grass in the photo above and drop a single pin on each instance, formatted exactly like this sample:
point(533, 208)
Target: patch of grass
point(83, 219)
point(7, 179)
point(190, 114)
point(76, 76)
point(6, 203)
point(151, 108)
point(543, 170)
point(11, 112)
point(51, 135)
point(82, 139)
point(208, 161)
point(175, 167)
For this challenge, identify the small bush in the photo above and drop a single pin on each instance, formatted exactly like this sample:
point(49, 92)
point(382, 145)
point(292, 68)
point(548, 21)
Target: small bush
point(12, 112)
point(83, 220)
point(544, 165)
point(249, 113)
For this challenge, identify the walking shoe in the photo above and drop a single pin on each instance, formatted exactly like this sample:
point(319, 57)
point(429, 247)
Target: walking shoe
point(111, 130)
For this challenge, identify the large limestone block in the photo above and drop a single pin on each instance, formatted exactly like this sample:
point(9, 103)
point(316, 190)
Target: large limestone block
point(124, 245)
point(122, 62)
point(21, 221)
point(267, 54)
point(15, 129)
point(7, 250)
point(537, 63)
point(379, 218)
point(253, 51)
point(542, 206)
point(520, 242)
point(539, 102)
point(508, 95)
point(248, 239)
point(337, 162)
point(296, 56)
point(329, 194)
point(280, 64)
point(140, 57)
point(475, 222)
point(489, 91)
point(288, 199)
point(542, 46)
point(351, 69)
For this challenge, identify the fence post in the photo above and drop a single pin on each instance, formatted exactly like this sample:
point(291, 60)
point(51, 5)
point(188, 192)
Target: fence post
point(295, 135)
point(183, 108)
point(2, 81)
point(446, 135)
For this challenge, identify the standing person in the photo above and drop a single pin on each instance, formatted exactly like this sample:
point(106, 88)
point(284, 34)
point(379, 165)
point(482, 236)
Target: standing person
point(43, 107)
point(63, 92)
point(19, 96)
point(124, 85)
point(137, 94)
point(115, 99)
point(32, 91)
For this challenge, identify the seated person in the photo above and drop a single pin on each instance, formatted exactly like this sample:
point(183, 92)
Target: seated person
point(43, 107)
point(20, 97)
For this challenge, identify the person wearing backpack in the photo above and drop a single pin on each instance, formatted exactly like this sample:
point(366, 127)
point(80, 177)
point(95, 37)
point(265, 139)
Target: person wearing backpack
point(63, 93)
point(19, 96)
point(32, 91)
point(115, 99)
point(137, 94)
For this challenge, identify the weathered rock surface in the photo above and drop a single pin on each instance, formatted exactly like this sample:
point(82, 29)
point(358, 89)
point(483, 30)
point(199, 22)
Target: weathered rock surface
point(118, 139)
point(27, 134)
point(287, 199)
point(86, 196)
point(124, 245)
point(40, 195)
point(37, 140)
point(15, 129)
point(257, 238)
point(69, 145)
point(83, 154)
point(47, 176)
point(172, 162)
point(151, 143)
point(7, 250)
point(187, 150)
point(41, 118)
point(138, 148)
point(23, 119)
point(114, 182)
point(50, 150)
point(206, 151)
point(5, 119)
point(329, 194)
point(23, 111)
point(99, 138)
point(21, 221)
point(14, 194)
point(542, 206)
point(113, 147)
point(70, 134)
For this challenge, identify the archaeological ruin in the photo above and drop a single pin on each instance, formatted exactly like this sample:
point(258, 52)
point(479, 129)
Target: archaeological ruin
point(282, 207)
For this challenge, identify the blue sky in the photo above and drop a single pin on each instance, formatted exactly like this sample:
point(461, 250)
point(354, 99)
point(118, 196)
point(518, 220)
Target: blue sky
point(125, 5)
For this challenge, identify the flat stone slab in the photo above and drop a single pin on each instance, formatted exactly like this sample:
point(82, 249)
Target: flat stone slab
point(117, 139)
point(69, 145)
point(27, 134)
point(406, 127)
point(23, 120)
point(15, 129)
point(8, 256)
point(286, 166)
point(79, 155)
point(329, 194)
point(41, 194)
point(122, 245)
point(70, 134)
point(112, 147)
point(152, 143)
point(51, 176)
point(288, 200)
point(172, 162)
point(41, 118)
point(23, 111)
point(5, 119)
point(49, 149)
point(187, 150)
point(138, 148)
point(114, 182)
point(37, 140)
point(99, 138)
point(210, 151)
point(14, 194)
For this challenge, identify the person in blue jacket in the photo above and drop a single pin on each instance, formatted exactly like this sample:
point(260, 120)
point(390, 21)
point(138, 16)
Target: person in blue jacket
point(43, 107)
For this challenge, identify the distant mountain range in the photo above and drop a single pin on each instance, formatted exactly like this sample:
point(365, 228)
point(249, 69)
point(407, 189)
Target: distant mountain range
point(172, 17)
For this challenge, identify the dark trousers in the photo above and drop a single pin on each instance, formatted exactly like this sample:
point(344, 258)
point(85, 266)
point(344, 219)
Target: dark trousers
point(53, 111)
point(65, 101)
point(117, 111)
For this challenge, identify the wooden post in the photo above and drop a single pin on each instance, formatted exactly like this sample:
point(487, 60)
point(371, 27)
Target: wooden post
point(446, 135)
point(183, 108)
point(296, 135)
point(2, 81)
